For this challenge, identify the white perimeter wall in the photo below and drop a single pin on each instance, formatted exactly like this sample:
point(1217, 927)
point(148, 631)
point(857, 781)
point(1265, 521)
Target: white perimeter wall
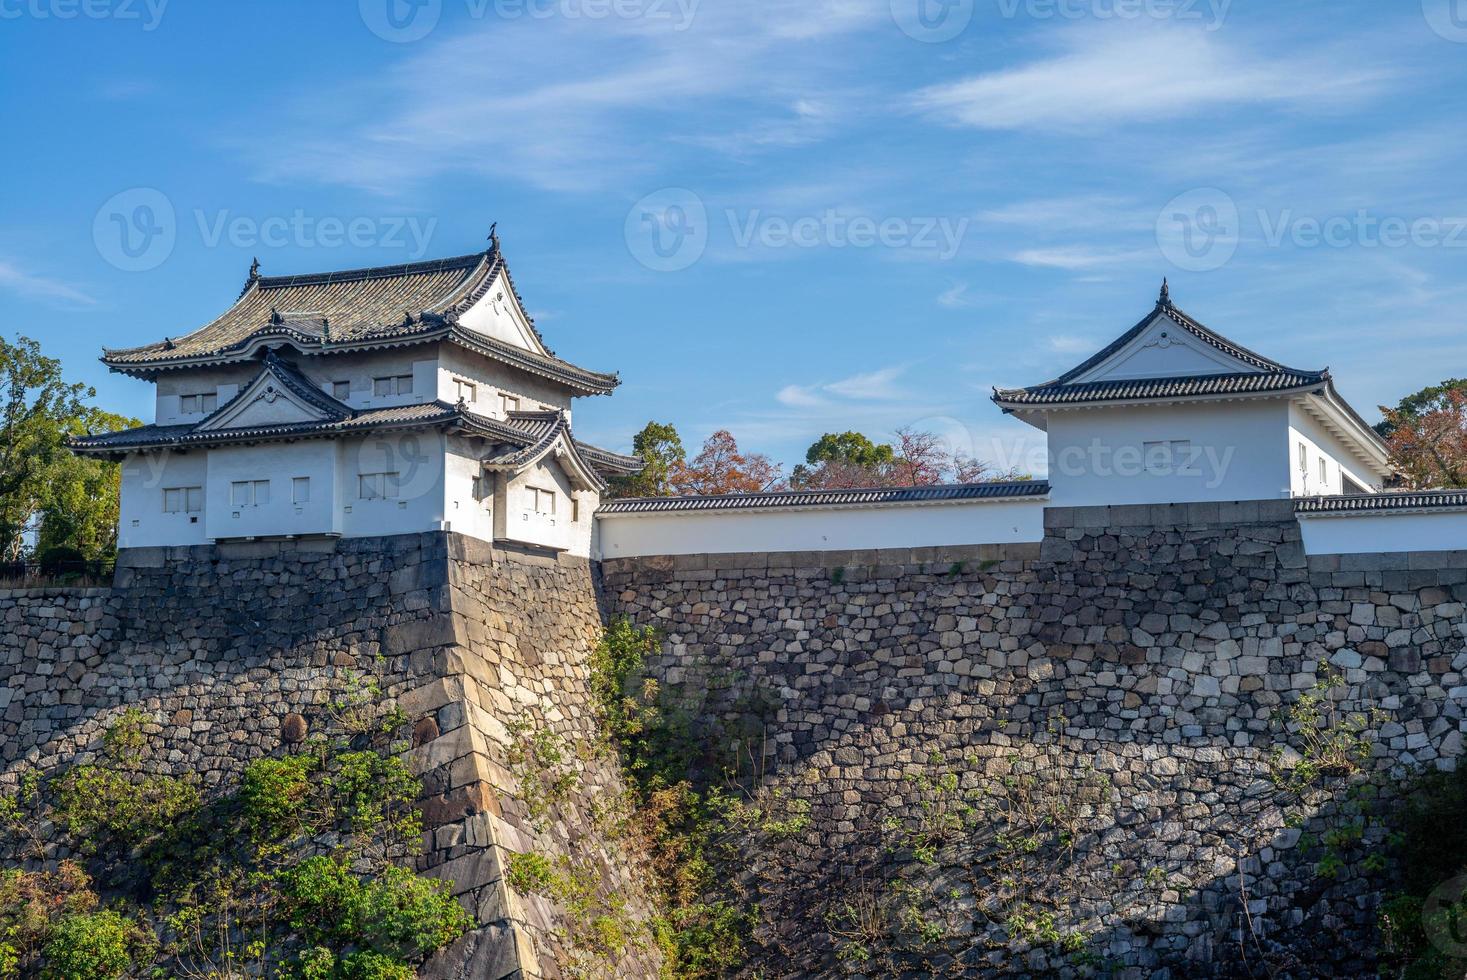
point(819, 529)
point(1240, 452)
point(1377, 533)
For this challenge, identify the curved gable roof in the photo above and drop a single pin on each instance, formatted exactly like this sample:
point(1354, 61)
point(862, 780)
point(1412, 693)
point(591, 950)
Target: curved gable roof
point(357, 309)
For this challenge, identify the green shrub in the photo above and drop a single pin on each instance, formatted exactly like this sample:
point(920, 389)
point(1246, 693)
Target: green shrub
point(398, 913)
point(371, 791)
point(96, 946)
point(531, 874)
point(96, 801)
point(367, 965)
point(273, 795)
point(9, 960)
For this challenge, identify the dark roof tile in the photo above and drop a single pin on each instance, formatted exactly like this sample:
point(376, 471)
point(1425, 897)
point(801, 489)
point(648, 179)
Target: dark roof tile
point(830, 498)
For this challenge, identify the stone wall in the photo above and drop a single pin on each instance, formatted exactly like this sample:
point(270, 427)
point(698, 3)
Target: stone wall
point(220, 645)
point(1129, 672)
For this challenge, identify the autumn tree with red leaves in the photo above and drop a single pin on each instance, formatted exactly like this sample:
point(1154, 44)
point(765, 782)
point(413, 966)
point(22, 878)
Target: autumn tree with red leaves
point(720, 468)
point(1427, 434)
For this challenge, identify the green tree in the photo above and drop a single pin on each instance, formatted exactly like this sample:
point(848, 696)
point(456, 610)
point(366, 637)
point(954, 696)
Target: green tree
point(661, 449)
point(851, 448)
point(1412, 408)
point(43, 486)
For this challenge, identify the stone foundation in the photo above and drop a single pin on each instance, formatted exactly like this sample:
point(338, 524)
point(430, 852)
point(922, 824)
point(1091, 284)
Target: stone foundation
point(220, 645)
point(1138, 661)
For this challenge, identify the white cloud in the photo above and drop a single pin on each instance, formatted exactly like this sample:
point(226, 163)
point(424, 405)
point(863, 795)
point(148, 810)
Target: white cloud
point(872, 386)
point(1074, 257)
point(955, 297)
point(1107, 76)
point(623, 97)
point(32, 286)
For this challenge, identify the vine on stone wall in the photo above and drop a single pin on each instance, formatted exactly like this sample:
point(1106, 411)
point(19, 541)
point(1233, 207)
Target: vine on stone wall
point(294, 872)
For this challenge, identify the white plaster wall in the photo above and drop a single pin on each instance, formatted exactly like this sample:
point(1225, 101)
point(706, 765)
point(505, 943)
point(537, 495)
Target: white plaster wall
point(1318, 441)
point(1239, 450)
point(1376, 533)
point(559, 531)
point(224, 382)
point(494, 378)
point(826, 529)
point(420, 458)
point(279, 463)
point(145, 476)
point(468, 505)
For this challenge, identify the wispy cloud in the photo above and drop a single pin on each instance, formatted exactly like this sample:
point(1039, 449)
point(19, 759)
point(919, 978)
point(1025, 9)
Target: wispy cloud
point(955, 297)
point(628, 98)
point(1107, 75)
point(45, 289)
point(1076, 257)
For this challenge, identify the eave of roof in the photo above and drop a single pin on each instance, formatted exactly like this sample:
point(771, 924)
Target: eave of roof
point(1145, 389)
point(1388, 502)
point(427, 414)
point(449, 288)
point(873, 497)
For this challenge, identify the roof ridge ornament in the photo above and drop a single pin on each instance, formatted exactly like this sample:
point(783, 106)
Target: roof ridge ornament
point(254, 277)
point(1165, 299)
point(275, 317)
point(494, 237)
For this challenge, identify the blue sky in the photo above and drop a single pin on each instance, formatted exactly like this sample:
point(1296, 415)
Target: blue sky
point(781, 217)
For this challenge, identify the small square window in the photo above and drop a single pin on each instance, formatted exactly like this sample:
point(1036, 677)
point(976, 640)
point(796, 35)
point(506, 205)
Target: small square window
point(405, 384)
point(341, 390)
point(381, 387)
point(209, 402)
point(399, 384)
point(300, 490)
point(173, 501)
point(239, 494)
point(466, 391)
point(188, 404)
point(543, 501)
point(575, 510)
point(509, 403)
point(194, 499)
point(378, 486)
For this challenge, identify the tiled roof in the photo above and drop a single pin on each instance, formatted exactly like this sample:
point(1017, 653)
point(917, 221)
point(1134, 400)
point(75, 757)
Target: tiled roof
point(331, 312)
point(1175, 387)
point(180, 436)
point(830, 498)
point(1391, 500)
point(1270, 375)
point(611, 463)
